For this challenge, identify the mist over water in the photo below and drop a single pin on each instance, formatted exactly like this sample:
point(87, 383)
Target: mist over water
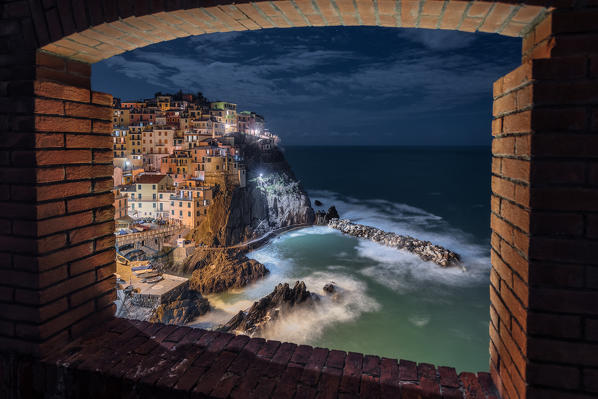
point(391, 303)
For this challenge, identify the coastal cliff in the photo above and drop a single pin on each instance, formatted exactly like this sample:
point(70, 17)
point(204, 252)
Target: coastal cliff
point(272, 199)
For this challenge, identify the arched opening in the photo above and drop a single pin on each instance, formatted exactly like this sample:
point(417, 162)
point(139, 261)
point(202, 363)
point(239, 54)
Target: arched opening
point(58, 186)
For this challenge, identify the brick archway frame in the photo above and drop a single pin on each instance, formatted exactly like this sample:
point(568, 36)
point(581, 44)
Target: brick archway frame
point(57, 243)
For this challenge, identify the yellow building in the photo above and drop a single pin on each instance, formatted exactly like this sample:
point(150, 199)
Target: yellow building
point(226, 114)
point(121, 117)
point(163, 102)
point(144, 195)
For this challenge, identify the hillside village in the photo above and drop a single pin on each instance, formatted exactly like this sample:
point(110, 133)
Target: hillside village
point(171, 152)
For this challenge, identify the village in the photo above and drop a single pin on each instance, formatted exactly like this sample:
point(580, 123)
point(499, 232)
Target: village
point(171, 155)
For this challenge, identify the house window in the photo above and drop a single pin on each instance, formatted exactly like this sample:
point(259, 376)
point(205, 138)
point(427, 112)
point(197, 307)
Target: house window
point(188, 204)
point(172, 212)
point(189, 214)
point(139, 187)
point(181, 213)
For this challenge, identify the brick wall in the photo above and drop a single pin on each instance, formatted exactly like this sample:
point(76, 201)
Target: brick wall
point(57, 223)
point(544, 281)
point(56, 242)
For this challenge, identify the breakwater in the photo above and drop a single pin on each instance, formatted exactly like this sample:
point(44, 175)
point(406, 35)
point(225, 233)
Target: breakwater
point(424, 249)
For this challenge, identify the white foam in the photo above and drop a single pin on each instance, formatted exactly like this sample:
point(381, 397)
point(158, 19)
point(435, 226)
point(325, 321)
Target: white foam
point(419, 320)
point(305, 324)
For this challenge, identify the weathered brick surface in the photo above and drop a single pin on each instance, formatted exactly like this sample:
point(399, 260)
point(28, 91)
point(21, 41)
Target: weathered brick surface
point(55, 220)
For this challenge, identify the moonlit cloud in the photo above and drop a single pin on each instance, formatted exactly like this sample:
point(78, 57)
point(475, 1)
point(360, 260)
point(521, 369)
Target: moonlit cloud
point(316, 85)
point(438, 39)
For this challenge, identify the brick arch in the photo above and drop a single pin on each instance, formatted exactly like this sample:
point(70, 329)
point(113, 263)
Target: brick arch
point(97, 32)
point(56, 241)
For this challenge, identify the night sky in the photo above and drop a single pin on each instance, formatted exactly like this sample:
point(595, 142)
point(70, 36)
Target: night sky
point(333, 85)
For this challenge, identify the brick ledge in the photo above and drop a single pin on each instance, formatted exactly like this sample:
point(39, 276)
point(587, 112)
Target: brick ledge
point(133, 359)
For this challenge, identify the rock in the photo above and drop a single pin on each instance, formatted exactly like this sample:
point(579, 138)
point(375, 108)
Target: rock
point(332, 213)
point(317, 203)
point(219, 270)
point(269, 308)
point(189, 305)
point(329, 288)
point(273, 198)
point(424, 249)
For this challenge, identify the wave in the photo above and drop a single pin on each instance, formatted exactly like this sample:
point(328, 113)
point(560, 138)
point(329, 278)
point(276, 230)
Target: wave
point(307, 324)
point(400, 269)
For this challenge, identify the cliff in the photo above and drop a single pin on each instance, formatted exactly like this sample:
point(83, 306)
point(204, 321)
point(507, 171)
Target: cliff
point(217, 270)
point(273, 198)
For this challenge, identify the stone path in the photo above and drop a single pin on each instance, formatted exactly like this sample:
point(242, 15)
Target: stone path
point(138, 359)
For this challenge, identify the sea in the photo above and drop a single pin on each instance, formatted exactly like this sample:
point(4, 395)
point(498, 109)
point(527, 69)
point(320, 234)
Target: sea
point(390, 302)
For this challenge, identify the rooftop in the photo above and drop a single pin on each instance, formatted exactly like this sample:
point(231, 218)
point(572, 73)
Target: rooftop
point(150, 179)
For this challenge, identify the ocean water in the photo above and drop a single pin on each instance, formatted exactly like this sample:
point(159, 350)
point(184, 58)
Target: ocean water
point(391, 303)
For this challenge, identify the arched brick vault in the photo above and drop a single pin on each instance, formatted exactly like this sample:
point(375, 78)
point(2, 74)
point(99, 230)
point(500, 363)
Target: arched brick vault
point(140, 27)
point(56, 241)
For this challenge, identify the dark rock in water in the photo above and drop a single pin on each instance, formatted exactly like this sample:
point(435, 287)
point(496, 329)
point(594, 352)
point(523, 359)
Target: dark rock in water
point(424, 249)
point(321, 218)
point(269, 308)
point(317, 203)
point(332, 213)
point(181, 310)
point(217, 271)
point(329, 288)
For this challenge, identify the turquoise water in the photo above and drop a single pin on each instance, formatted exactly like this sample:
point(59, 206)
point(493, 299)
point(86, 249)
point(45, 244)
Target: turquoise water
point(391, 303)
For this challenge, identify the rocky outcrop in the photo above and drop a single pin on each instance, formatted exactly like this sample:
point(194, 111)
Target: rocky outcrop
point(217, 270)
point(181, 310)
point(272, 199)
point(322, 218)
point(424, 249)
point(268, 309)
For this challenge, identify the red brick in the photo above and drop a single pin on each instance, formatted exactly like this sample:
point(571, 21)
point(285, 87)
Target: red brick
point(102, 127)
point(501, 268)
point(517, 123)
point(88, 171)
point(63, 190)
point(64, 92)
point(515, 215)
point(551, 274)
point(503, 188)
point(554, 325)
point(515, 260)
point(564, 352)
point(503, 229)
point(503, 146)
point(516, 169)
point(545, 223)
point(62, 157)
point(91, 202)
point(93, 291)
point(87, 111)
point(61, 124)
point(558, 172)
point(49, 107)
point(91, 232)
point(88, 141)
point(63, 223)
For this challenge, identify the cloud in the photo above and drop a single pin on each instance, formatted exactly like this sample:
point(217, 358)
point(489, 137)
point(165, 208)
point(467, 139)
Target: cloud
point(442, 40)
point(331, 82)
